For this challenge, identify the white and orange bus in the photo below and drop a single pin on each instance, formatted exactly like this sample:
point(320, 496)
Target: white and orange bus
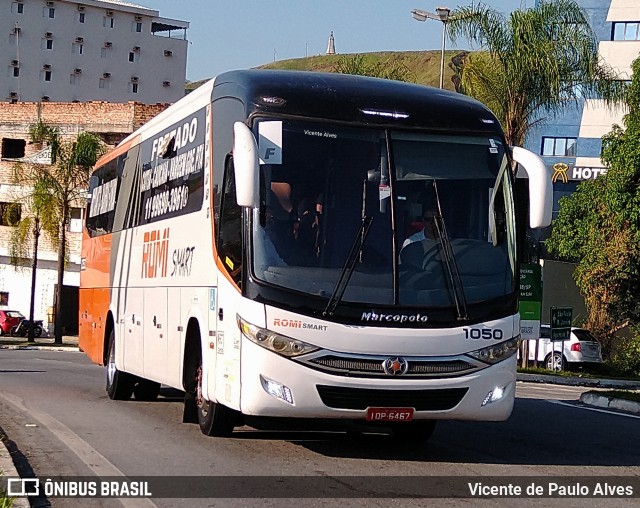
point(309, 245)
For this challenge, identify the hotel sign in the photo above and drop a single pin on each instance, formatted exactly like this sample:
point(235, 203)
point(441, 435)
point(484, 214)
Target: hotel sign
point(564, 172)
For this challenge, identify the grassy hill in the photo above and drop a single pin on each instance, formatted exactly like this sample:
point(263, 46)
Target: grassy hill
point(424, 66)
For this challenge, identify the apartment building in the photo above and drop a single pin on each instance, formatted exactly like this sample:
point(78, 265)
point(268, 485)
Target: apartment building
point(112, 122)
point(82, 50)
point(570, 144)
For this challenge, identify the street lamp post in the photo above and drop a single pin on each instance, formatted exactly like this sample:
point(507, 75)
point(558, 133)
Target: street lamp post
point(442, 14)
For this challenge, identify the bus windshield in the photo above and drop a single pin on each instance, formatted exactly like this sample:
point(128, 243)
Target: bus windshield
point(439, 210)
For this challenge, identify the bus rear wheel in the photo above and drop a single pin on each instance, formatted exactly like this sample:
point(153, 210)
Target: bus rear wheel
point(119, 384)
point(214, 419)
point(416, 431)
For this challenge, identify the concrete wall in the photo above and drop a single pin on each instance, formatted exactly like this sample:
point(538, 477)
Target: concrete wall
point(104, 50)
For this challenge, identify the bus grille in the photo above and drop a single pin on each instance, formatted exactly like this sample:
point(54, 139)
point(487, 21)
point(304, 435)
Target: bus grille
point(370, 367)
point(362, 398)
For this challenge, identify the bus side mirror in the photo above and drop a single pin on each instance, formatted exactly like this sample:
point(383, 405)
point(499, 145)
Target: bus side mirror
point(245, 160)
point(540, 187)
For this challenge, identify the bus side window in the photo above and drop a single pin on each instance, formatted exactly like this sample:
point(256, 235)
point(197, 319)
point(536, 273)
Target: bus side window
point(230, 226)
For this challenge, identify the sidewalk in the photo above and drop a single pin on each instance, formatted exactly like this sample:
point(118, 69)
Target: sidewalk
point(69, 343)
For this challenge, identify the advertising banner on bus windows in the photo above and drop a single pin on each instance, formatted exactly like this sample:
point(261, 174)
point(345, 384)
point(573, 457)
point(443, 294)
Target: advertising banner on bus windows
point(173, 170)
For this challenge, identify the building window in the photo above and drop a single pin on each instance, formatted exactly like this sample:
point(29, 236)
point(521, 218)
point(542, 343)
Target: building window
point(47, 43)
point(17, 7)
point(81, 16)
point(105, 52)
point(133, 87)
point(136, 26)
point(134, 56)
point(626, 31)
point(10, 214)
point(559, 147)
point(16, 72)
point(76, 220)
point(46, 75)
point(104, 84)
point(13, 148)
point(74, 79)
point(107, 22)
point(77, 48)
point(49, 12)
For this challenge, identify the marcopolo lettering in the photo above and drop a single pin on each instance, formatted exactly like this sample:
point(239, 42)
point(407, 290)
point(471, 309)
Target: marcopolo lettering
point(394, 318)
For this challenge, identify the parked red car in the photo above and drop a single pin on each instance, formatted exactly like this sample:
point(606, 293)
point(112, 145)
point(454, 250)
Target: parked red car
point(9, 319)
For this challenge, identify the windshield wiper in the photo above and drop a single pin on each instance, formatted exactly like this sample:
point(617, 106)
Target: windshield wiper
point(349, 265)
point(450, 261)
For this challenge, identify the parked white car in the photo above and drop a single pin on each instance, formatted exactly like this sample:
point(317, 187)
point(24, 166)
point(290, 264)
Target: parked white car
point(582, 350)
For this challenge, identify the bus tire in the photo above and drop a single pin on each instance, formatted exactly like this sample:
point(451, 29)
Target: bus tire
point(119, 384)
point(214, 418)
point(416, 431)
point(146, 390)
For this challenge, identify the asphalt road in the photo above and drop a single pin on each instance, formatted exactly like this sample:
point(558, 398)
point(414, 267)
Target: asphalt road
point(54, 409)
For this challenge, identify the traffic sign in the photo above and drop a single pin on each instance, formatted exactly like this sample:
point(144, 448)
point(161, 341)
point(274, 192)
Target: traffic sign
point(561, 319)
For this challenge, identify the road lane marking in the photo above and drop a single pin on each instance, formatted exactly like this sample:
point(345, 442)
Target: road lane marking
point(593, 409)
point(91, 457)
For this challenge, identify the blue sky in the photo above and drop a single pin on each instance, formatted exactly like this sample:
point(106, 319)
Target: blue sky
point(239, 34)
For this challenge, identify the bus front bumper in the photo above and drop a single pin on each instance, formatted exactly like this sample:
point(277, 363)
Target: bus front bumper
point(272, 385)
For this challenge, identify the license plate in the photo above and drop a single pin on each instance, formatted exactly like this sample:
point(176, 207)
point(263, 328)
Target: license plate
point(389, 414)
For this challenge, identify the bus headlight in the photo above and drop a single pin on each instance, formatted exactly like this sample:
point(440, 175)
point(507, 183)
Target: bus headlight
point(285, 346)
point(496, 352)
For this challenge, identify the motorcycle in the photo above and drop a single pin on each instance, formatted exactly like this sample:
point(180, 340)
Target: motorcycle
point(22, 328)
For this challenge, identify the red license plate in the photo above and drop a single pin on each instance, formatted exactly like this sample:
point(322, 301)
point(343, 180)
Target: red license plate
point(389, 414)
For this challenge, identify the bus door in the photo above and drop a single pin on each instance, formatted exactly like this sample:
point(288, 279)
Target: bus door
point(229, 298)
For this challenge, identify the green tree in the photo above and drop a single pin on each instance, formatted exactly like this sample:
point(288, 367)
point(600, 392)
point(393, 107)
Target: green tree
point(531, 64)
point(30, 215)
point(361, 65)
point(599, 227)
point(52, 191)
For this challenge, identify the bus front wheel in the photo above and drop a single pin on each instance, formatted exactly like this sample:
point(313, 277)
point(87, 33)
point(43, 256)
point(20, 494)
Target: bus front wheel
point(119, 384)
point(214, 418)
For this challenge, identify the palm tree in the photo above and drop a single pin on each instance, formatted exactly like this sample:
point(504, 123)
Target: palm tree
point(55, 188)
point(39, 216)
point(532, 64)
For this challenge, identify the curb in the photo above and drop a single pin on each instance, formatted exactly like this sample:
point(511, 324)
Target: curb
point(603, 401)
point(573, 381)
point(8, 470)
point(40, 348)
